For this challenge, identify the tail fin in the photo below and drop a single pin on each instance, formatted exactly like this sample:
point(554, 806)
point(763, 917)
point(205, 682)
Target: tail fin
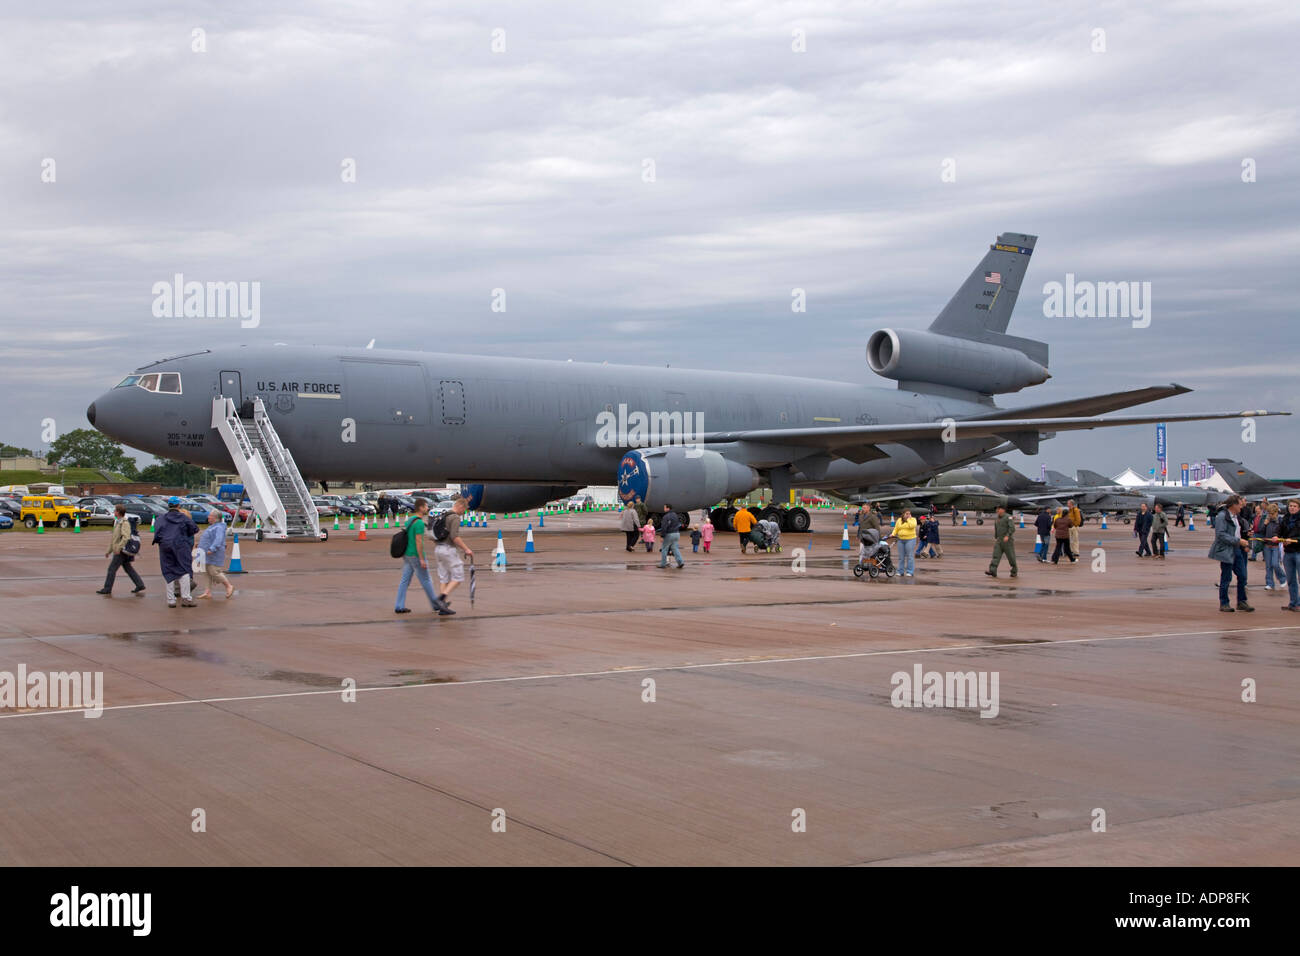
point(1244, 481)
point(1087, 477)
point(981, 309)
point(1004, 478)
point(1057, 478)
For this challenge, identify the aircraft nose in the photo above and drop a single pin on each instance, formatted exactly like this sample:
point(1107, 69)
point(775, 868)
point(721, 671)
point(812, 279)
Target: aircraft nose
point(90, 413)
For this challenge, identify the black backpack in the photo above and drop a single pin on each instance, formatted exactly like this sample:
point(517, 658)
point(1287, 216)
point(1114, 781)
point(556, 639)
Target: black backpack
point(439, 527)
point(132, 545)
point(401, 541)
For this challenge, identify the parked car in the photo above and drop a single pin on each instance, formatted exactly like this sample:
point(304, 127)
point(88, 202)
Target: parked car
point(323, 508)
point(199, 511)
point(102, 510)
point(146, 511)
point(343, 505)
point(361, 505)
point(51, 509)
point(6, 522)
point(11, 507)
point(579, 502)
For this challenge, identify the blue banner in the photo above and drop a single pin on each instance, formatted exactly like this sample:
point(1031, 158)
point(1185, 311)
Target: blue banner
point(1186, 474)
point(1161, 449)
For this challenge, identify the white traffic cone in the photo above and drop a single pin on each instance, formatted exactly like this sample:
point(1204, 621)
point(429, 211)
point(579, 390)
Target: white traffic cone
point(499, 555)
point(844, 541)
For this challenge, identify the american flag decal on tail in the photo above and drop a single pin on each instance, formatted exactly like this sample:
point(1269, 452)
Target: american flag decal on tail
point(994, 277)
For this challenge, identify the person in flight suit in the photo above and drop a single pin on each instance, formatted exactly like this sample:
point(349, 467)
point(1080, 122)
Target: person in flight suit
point(1003, 532)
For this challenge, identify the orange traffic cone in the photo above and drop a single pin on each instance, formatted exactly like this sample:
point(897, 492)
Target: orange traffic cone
point(361, 535)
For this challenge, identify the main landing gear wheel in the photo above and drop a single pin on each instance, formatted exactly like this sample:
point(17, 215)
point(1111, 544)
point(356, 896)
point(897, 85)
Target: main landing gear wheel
point(797, 520)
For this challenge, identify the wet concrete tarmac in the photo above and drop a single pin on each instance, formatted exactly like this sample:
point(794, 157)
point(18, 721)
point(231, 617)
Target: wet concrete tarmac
point(1118, 691)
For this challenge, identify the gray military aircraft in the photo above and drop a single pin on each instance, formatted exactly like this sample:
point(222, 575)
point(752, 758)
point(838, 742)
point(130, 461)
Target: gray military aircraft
point(1167, 496)
point(1097, 494)
point(982, 487)
point(1248, 484)
point(525, 431)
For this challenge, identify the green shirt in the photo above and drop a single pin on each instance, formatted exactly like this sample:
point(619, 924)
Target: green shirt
point(1003, 527)
point(413, 532)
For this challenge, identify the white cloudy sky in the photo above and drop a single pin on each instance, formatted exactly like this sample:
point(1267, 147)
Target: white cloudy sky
point(774, 170)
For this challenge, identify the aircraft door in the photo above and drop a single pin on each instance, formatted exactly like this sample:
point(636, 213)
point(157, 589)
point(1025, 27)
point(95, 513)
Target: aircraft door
point(453, 402)
point(231, 388)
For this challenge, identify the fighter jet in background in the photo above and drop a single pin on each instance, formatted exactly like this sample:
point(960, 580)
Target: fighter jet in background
point(1168, 496)
point(521, 432)
point(1248, 484)
point(1097, 494)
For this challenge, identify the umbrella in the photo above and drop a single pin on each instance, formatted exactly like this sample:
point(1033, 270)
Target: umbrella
point(471, 583)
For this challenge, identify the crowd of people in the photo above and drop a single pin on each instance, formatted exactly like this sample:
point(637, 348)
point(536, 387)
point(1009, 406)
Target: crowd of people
point(183, 552)
point(1243, 532)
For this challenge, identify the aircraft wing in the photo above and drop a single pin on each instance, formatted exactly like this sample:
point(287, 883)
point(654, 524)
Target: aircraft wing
point(1097, 404)
point(899, 494)
point(832, 437)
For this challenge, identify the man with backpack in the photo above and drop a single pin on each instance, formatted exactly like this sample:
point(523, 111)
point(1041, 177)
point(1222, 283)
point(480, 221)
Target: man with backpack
point(448, 548)
point(122, 548)
point(408, 544)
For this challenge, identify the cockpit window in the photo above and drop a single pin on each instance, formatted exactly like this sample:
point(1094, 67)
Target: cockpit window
point(168, 382)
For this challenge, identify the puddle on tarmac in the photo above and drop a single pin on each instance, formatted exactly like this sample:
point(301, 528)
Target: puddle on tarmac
point(995, 639)
point(422, 677)
point(299, 677)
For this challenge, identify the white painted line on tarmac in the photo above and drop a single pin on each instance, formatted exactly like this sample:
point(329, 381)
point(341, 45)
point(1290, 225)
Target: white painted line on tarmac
point(651, 669)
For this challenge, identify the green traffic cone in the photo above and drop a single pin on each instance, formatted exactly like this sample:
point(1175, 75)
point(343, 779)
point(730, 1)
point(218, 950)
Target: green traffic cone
point(40, 526)
point(76, 524)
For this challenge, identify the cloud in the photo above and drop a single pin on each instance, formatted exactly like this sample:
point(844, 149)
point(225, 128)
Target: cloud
point(774, 170)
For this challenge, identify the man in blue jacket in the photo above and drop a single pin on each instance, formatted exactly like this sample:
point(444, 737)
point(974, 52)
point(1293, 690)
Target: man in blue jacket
point(1229, 549)
point(173, 537)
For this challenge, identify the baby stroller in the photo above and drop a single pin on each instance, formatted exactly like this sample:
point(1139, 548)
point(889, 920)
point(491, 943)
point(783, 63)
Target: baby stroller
point(879, 561)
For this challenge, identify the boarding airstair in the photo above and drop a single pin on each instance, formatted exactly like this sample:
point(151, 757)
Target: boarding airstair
point(271, 479)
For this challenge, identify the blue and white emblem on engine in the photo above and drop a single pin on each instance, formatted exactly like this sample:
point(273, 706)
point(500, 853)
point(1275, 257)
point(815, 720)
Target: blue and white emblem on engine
point(633, 478)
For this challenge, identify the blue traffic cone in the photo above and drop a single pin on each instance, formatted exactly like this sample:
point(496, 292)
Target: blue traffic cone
point(541, 519)
point(844, 541)
point(236, 564)
point(963, 519)
point(529, 547)
point(1191, 524)
point(1103, 521)
point(1022, 519)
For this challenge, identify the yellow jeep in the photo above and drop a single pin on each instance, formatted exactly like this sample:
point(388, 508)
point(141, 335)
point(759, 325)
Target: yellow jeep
point(51, 509)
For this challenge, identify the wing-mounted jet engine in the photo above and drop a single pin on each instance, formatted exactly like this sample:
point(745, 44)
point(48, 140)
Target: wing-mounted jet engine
point(683, 476)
